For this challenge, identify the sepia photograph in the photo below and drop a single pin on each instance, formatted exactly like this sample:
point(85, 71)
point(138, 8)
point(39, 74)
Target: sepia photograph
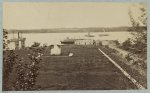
point(74, 46)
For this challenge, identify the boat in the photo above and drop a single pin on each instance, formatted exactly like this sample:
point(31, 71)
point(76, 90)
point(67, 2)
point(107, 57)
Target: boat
point(103, 33)
point(89, 35)
point(68, 41)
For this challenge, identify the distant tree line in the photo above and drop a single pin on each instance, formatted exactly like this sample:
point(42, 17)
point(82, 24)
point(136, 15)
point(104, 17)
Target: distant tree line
point(72, 30)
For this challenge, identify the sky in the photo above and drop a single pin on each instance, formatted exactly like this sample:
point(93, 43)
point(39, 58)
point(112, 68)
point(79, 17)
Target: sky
point(64, 15)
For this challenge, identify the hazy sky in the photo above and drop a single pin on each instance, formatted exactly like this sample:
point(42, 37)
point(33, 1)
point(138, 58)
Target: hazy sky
point(64, 15)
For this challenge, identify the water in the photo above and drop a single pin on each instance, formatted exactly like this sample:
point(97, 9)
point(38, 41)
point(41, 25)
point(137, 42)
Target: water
point(55, 38)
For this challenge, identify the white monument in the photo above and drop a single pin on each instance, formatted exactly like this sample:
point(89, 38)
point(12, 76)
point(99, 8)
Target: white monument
point(55, 50)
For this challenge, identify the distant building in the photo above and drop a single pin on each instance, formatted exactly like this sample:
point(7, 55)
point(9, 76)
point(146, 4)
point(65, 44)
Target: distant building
point(16, 43)
point(84, 42)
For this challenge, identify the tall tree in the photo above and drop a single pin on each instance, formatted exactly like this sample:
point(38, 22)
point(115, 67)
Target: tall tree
point(138, 18)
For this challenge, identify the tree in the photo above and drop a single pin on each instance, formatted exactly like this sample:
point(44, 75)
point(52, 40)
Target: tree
point(127, 44)
point(27, 72)
point(5, 37)
point(9, 60)
point(139, 26)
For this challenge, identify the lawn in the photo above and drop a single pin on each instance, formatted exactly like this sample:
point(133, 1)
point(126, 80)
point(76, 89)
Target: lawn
point(86, 69)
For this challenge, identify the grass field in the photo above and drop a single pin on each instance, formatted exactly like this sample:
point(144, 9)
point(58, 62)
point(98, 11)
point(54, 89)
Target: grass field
point(86, 69)
point(140, 77)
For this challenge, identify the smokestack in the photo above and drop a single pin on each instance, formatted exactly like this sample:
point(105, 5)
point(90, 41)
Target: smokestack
point(18, 35)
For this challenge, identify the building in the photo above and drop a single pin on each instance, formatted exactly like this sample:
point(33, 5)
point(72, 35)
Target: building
point(84, 42)
point(16, 43)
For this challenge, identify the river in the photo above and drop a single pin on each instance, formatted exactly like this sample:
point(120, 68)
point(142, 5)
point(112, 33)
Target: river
point(55, 38)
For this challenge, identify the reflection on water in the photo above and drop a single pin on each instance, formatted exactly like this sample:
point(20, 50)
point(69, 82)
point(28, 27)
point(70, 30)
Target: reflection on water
point(55, 38)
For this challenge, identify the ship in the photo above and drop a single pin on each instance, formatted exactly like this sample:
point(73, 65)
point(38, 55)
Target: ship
point(68, 41)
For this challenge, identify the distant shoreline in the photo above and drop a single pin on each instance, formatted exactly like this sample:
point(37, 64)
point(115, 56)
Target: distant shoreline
point(72, 30)
point(64, 32)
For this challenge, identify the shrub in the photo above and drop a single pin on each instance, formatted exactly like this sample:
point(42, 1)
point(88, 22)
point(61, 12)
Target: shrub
point(27, 73)
point(9, 60)
point(35, 44)
point(127, 44)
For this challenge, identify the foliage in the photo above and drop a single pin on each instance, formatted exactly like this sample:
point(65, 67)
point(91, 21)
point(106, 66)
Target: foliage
point(5, 37)
point(127, 44)
point(9, 60)
point(139, 29)
point(27, 73)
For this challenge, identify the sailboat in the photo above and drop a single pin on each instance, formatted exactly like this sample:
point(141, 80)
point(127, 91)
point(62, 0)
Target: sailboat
point(103, 33)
